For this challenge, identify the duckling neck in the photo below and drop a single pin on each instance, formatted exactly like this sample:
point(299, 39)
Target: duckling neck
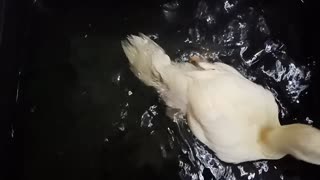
point(298, 140)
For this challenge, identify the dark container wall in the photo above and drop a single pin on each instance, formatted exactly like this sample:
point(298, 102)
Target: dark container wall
point(37, 56)
point(13, 34)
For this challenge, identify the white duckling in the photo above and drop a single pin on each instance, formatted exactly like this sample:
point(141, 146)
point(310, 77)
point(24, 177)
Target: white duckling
point(233, 116)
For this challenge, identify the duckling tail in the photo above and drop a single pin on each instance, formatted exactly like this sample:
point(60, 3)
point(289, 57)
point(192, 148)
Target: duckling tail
point(299, 140)
point(146, 58)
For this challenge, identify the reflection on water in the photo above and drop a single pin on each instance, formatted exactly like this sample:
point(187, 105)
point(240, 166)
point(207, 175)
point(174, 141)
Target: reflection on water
point(244, 41)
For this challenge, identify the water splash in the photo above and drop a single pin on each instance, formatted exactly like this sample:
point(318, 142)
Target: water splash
point(200, 157)
point(228, 6)
point(147, 117)
point(309, 121)
point(294, 77)
point(244, 41)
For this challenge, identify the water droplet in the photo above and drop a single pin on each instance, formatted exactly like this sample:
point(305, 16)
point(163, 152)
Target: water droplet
point(228, 6)
point(251, 176)
point(12, 131)
point(116, 78)
point(242, 172)
point(281, 177)
point(121, 127)
point(163, 151)
point(123, 113)
point(309, 121)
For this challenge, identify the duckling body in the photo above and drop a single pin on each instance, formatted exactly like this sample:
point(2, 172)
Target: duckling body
point(224, 111)
point(233, 116)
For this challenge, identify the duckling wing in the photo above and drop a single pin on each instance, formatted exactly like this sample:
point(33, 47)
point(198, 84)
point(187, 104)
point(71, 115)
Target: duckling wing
point(226, 111)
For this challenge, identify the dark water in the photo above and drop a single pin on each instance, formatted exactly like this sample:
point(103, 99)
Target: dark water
point(85, 116)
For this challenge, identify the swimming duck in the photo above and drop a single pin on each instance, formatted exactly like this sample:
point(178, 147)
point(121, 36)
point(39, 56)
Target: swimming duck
point(233, 116)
